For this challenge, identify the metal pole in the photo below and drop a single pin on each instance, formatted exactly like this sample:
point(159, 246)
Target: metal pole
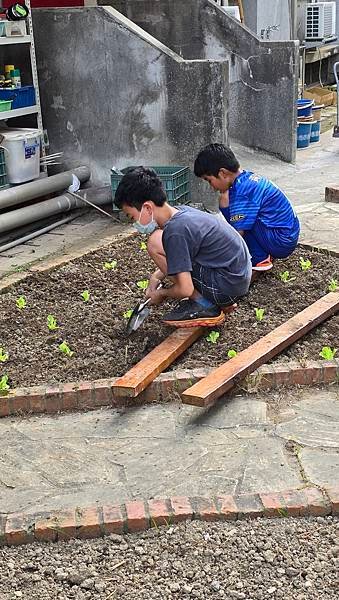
point(34, 234)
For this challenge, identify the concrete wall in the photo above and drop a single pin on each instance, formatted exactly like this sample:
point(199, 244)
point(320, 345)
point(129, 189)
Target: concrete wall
point(113, 95)
point(260, 14)
point(263, 75)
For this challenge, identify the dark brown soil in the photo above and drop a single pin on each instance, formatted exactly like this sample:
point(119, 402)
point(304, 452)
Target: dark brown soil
point(95, 331)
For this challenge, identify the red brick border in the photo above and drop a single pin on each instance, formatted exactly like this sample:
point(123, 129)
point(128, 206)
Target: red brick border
point(140, 515)
point(89, 395)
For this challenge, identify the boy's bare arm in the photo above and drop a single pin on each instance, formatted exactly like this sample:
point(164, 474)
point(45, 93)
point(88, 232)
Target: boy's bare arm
point(182, 288)
point(224, 200)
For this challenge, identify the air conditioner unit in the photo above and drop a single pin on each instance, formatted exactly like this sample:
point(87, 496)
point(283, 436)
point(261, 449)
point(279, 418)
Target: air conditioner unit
point(320, 21)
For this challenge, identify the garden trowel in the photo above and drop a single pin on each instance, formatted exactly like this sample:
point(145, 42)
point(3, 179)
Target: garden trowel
point(139, 314)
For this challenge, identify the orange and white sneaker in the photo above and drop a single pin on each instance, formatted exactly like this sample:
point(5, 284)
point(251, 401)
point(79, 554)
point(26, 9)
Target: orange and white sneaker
point(264, 265)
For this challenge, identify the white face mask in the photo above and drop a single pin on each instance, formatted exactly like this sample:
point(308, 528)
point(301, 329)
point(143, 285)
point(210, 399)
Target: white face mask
point(145, 229)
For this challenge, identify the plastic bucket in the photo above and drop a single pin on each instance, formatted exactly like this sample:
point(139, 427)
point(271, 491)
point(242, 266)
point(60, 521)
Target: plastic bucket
point(303, 135)
point(304, 107)
point(22, 154)
point(315, 132)
point(316, 112)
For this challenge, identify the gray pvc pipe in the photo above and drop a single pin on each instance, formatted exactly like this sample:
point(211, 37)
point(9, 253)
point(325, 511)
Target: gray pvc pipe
point(34, 234)
point(47, 208)
point(41, 187)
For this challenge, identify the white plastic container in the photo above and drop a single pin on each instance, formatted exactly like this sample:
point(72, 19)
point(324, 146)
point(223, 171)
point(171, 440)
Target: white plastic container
point(22, 154)
point(15, 28)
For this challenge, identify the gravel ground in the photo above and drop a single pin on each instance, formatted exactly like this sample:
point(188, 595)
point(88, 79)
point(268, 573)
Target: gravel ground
point(292, 559)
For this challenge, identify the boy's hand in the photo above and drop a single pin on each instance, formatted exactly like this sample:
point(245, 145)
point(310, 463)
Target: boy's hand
point(156, 296)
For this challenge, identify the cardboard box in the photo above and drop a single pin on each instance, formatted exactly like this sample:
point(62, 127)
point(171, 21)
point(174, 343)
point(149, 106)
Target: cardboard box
point(321, 95)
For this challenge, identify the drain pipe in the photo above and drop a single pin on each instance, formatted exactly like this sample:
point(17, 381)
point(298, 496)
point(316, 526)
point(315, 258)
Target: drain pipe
point(34, 234)
point(47, 208)
point(41, 187)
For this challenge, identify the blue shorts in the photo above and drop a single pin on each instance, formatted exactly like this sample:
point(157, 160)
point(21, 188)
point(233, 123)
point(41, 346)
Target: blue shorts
point(278, 242)
point(211, 284)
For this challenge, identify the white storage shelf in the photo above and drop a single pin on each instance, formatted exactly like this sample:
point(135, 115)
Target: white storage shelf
point(18, 112)
point(16, 39)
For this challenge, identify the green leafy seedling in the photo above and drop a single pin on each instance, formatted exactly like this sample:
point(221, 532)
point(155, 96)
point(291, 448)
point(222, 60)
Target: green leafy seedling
point(110, 266)
point(85, 295)
point(232, 353)
point(65, 349)
point(213, 337)
point(285, 277)
point(127, 314)
point(143, 246)
point(259, 314)
point(3, 355)
point(328, 353)
point(21, 302)
point(143, 284)
point(52, 323)
point(4, 386)
point(305, 264)
point(333, 285)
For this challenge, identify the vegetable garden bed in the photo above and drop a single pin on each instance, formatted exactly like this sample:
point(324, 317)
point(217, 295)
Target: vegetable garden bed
point(92, 324)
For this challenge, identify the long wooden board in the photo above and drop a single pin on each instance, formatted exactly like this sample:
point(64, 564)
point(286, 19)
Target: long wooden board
point(147, 369)
point(222, 379)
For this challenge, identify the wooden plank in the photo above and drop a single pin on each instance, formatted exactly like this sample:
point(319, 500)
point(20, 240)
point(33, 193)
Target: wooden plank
point(146, 370)
point(222, 379)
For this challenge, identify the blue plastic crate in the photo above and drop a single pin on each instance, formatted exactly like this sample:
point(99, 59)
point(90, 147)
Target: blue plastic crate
point(21, 97)
point(176, 182)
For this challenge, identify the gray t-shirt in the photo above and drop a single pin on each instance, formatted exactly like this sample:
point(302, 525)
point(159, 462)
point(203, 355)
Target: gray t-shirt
point(194, 237)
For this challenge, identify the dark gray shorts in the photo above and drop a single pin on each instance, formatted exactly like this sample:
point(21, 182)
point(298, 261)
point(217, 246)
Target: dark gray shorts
point(211, 284)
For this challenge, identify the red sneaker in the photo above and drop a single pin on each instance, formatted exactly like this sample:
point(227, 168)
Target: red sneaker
point(264, 265)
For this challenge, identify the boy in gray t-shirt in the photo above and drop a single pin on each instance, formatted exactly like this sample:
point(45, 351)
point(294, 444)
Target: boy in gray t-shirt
point(207, 260)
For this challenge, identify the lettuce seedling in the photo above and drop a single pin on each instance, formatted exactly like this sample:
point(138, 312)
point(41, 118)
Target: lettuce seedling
point(333, 285)
point(127, 314)
point(143, 246)
point(143, 284)
point(328, 353)
point(85, 295)
point(52, 323)
point(259, 313)
point(232, 353)
point(110, 266)
point(3, 355)
point(213, 337)
point(21, 302)
point(285, 277)
point(65, 349)
point(305, 264)
point(4, 386)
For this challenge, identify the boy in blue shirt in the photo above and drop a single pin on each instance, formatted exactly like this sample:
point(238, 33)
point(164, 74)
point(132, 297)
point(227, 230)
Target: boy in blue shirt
point(206, 259)
point(253, 205)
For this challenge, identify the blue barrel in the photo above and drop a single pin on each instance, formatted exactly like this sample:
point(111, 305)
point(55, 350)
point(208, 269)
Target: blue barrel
point(315, 131)
point(305, 107)
point(304, 134)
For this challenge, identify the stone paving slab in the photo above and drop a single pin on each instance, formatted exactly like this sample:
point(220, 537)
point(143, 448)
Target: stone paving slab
point(321, 467)
point(81, 459)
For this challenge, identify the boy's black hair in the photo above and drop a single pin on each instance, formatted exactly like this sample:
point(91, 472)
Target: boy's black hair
point(213, 158)
point(139, 186)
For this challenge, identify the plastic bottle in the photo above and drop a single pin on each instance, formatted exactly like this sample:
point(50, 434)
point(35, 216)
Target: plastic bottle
point(8, 69)
point(16, 78)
